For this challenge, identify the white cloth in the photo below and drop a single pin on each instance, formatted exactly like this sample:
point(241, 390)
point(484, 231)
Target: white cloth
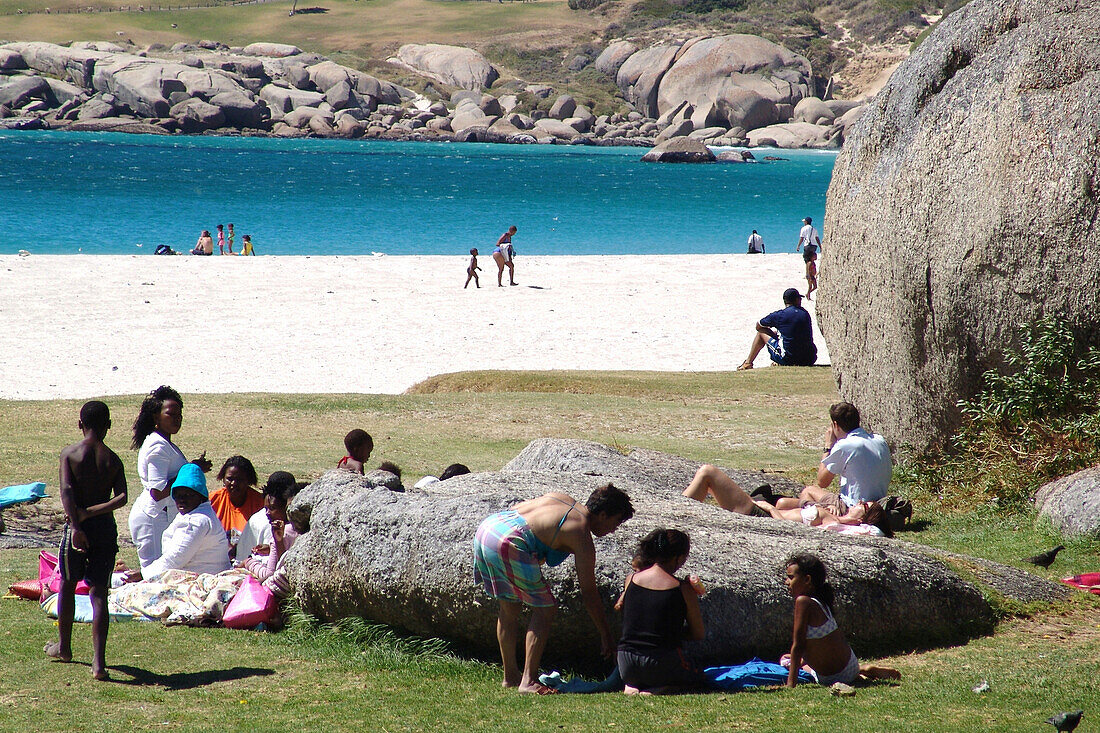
point(756, 243)
point(862, 460)
point(256, 532)
point(159, 460)
point(426, 482)
point(194, 542)
point(809, 235)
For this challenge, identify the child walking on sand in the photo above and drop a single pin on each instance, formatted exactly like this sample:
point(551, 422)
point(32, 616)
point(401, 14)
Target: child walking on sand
point(359, 445)
point(221, 239)
point(471, 270)
point(656, 605)
point(818, 642)
point(93, 486)
point(810, 257)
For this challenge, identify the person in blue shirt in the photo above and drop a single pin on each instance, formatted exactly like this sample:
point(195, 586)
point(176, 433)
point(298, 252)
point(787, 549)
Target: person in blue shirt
point(787, 333)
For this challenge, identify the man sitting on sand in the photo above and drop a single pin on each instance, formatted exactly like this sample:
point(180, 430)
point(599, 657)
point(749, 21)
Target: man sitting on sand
point(861, 459)
point(93, 486)
point(787, 333)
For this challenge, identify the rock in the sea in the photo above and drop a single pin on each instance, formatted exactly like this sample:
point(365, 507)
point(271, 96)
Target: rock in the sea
point(679, 150)
point(1072, 503)
point(203, 114)
point(405, 559)
point(557, 128)
point(452, 65)
point(962, 207)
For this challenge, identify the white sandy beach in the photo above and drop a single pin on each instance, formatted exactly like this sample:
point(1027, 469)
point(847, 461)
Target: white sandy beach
point(78, 326)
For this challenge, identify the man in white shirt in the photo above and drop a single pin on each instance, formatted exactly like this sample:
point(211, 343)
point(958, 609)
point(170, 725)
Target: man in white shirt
point(756, 243)
point(808, 236)
point(861, 460)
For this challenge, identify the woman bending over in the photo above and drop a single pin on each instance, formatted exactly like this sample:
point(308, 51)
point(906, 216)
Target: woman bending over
point(818, 642)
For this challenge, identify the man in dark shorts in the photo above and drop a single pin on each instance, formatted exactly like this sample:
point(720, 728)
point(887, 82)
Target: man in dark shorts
point(788, 334)
point(93, 486)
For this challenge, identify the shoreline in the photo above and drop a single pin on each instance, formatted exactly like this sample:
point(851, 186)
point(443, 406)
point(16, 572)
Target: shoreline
point(85, 326)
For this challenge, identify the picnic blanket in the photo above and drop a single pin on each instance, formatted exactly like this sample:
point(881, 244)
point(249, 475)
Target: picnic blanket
point(1086, 581)
point(178, 597)
point(82, 610)
point(22, 493)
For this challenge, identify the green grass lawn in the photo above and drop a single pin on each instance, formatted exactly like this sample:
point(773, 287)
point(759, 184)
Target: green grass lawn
point(363, 679)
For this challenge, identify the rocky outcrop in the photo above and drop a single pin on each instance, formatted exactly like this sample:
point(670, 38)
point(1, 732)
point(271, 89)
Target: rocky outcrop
point(1072, 503)
point(452, 65)
point(959, 210)
point(274, 50)
point(795, 135)
point(680, 150)
point(714, 71)
point(405, 559)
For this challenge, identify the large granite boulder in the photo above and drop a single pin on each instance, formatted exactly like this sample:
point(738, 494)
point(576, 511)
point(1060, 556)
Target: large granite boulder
point(405, 559)
point(273, 50)
point(11, 60)
point(714, 71)
point(451, 65)
point(962, 207)
point(614, 56)
point(795, 135)
point(1072, 503)
point(22, 89)
point(680, 150)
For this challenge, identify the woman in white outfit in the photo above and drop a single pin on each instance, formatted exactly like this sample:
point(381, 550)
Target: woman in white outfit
point(159, 460)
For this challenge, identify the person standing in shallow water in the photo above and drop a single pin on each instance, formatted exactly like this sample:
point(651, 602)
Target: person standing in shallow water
point(503, 255)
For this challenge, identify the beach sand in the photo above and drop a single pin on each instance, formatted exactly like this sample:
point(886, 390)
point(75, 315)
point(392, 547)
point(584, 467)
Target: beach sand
point(79, 326)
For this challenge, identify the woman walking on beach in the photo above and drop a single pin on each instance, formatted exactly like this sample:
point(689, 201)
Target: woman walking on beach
point(503, 254)
point(159, 461)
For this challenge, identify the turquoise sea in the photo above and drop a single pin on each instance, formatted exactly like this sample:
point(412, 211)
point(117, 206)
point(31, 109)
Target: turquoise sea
point(112, 193)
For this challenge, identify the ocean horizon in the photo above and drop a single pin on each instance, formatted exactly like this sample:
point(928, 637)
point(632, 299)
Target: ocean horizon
point(115, 193)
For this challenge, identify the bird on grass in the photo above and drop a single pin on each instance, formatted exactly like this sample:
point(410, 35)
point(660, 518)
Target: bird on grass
point(1066, 721)
point(1045, 559)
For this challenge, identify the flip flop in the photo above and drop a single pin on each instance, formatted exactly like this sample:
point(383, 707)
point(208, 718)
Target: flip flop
point(542, 689)
point(745, 366)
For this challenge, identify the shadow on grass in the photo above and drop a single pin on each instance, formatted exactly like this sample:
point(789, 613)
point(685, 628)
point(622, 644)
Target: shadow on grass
point(310, 11)
point(186, 680)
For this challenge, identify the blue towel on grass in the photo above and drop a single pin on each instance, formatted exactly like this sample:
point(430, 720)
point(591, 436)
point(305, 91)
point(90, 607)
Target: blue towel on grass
point(753, 673)
point(12, 495)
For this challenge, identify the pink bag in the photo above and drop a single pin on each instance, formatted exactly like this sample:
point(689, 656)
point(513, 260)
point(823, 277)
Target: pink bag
point(251, 606)
point(49, 576)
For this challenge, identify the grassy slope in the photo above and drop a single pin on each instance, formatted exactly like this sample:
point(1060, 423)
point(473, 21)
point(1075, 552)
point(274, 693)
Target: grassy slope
point(364, 28)
point(213, 678)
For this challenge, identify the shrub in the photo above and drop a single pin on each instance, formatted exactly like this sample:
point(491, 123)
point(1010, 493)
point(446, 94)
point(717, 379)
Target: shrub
point(1036, 422)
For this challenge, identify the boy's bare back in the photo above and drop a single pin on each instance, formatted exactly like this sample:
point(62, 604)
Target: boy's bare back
point(93, 471)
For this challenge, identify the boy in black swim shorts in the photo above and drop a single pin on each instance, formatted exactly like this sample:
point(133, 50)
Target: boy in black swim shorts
point(93, 486)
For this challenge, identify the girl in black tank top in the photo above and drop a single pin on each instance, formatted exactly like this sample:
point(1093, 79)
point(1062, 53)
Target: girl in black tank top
point(659, 612)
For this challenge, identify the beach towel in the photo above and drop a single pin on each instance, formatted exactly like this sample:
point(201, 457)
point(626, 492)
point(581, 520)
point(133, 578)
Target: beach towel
point(82, 612)
point(753, 673)
point(21, 493)
point(178, 597)
point(1086, 581)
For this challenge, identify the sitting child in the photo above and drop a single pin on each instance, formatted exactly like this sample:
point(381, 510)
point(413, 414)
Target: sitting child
point(818, 642)
point(656, 605)
point(258, 530)
point(266, 560)
point(359, 445)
